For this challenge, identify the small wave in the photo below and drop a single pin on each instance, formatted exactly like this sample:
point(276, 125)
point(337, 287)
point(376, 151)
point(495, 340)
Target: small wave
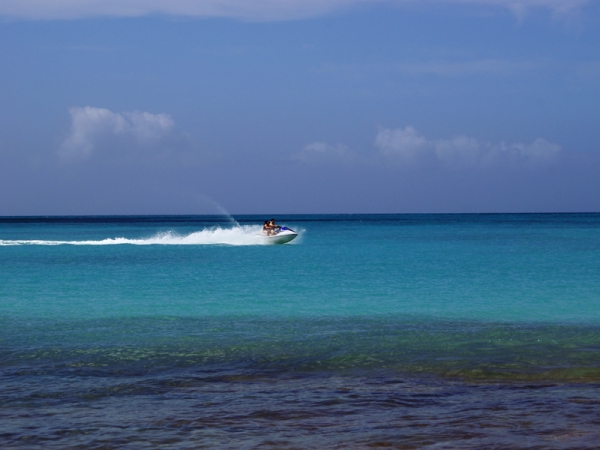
point(242, 235)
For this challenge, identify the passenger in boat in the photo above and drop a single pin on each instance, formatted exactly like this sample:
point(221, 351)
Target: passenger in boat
point(266, 229)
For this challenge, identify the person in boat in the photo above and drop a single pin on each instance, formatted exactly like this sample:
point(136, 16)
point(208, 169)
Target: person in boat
point(270, 228)
point(274, 228)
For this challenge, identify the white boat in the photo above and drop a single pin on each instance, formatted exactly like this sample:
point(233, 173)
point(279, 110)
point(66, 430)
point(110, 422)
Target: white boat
point(281, 236)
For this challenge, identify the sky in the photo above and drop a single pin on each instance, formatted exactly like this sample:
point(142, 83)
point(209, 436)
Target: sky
point(290, 106)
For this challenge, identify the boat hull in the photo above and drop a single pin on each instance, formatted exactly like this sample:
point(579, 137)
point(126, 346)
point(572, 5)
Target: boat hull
point(283, 237)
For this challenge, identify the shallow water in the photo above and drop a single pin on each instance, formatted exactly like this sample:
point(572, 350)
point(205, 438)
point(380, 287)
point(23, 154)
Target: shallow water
point(368, 331)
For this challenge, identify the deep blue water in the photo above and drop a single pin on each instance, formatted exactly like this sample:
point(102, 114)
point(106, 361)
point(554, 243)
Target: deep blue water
point(366, 331)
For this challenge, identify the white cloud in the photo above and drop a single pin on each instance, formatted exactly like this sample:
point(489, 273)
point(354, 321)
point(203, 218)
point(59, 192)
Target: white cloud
point(410, 147)
point(540, 150)
point(320, 151)
point(405, 143)
point(460, 149)
point(89, 125)
point(243, 9)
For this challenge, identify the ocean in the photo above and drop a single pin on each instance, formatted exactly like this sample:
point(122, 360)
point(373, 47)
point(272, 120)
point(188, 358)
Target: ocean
point(367, 331)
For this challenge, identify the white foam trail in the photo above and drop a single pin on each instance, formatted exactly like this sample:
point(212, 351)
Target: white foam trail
point(242, 235)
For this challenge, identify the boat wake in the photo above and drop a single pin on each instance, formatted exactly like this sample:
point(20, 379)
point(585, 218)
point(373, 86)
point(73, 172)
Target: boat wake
point(242, 235)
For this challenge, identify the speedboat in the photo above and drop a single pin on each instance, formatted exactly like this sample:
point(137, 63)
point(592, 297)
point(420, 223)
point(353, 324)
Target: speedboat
point(281, 236)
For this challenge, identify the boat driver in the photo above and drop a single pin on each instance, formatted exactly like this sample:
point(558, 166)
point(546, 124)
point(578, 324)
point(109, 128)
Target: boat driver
point(274, 228)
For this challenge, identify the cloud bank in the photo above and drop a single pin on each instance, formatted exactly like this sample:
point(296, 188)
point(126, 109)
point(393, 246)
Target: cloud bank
point(91, 125)
point(409, 147)
point(241, 9)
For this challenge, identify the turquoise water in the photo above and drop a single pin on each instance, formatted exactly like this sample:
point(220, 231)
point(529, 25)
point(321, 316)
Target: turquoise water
point(189, 331)
point(533, 268)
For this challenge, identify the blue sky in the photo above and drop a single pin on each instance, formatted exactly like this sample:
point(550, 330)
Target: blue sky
point(334, 106)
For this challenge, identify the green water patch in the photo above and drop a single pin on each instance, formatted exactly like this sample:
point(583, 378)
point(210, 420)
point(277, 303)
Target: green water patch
point(457, 349)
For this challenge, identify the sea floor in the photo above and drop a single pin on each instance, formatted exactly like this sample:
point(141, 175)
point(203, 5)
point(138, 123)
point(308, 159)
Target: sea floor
point(317, 410)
